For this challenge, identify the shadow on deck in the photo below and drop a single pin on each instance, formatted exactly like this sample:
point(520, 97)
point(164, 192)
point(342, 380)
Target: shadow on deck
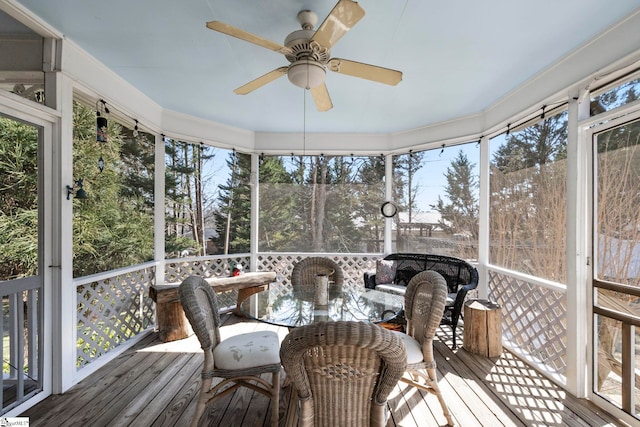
point(155, 384)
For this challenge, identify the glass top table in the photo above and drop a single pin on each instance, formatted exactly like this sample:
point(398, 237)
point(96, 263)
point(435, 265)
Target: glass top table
point(281, 305)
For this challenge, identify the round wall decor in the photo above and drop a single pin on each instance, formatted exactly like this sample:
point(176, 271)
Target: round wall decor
point(388, 209)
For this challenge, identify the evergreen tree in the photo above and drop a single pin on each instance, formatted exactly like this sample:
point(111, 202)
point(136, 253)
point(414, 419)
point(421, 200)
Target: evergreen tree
point(19, 201)
point(318, 180)
point(186, 201)
point(109, 229)
point(369, 197)
point(341, 232)
point(279, 225)
point(406, 188)
point(316, 204)
point(460, 214)
point(138, 165)
point(621, 95)
point(541, 143)
point(232, 220)
point(176, 238)
point(331, 198)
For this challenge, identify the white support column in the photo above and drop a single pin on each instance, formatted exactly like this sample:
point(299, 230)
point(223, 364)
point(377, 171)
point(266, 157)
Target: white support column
point(255, 211)
point(483, 219)
point(50, 181)
point(49, 204)
point(158, 210)
point(577, 241)
point(388, 193)
point(64, 295)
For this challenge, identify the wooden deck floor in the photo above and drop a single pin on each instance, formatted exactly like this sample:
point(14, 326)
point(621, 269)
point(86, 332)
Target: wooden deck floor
point(154, 384)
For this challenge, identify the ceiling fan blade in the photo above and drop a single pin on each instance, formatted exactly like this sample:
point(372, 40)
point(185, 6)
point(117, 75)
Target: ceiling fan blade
point(321, 97)
point(230, 30)
point(344, 15)
point(261, 81)
point(365, 71)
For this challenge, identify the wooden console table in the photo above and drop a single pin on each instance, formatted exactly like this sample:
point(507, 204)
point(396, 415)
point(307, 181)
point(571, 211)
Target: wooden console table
point(170, 318)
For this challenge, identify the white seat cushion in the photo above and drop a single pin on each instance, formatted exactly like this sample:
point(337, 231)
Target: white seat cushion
point(247, 350)
point(414, 351)
point(391, 288)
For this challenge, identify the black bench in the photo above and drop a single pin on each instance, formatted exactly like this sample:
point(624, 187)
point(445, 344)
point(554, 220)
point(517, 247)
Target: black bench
point(461, 277)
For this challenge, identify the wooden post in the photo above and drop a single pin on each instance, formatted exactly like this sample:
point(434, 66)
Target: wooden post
point(482, 328)
point(172, 322)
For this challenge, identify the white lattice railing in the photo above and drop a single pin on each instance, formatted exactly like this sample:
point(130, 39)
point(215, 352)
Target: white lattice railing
point(353, 265)
point(112, 308)
point(534, 320)
point(176, 270)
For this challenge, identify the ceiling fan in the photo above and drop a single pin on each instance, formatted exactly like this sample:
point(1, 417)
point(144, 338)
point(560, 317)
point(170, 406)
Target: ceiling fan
point(308, 52)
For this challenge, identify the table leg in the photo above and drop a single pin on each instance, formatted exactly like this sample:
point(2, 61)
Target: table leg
point(245, 293)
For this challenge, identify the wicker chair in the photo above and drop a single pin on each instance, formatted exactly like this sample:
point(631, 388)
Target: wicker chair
point(343, 372)
point(238, 360)
point(424, 305)
point(304, 272)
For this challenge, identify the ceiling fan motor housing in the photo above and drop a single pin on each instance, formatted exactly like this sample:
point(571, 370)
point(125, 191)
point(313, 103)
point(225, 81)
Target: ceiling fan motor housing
point(308, 59)
point(303, 48)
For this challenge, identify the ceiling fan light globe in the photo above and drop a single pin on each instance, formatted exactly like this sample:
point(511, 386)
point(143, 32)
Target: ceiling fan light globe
point(307, 74)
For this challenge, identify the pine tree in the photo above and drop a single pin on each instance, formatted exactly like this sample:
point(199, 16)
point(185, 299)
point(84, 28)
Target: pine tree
point(232, 220)
point(405, 186)
point(279, 226)
point(370, 195)
point(460, 214)
point(539, 144)
point(19, 201)
point(109, 228)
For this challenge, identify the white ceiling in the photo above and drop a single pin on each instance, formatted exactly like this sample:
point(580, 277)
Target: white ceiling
point(457, 57)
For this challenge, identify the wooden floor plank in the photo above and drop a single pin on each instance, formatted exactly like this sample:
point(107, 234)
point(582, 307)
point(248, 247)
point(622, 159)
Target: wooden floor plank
point(408, 408)
point(51, 407)
point(182, 406)
point(156, 384)
point(82, 400)
point(154, 399)
point(465, 377)
point(103, 408)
